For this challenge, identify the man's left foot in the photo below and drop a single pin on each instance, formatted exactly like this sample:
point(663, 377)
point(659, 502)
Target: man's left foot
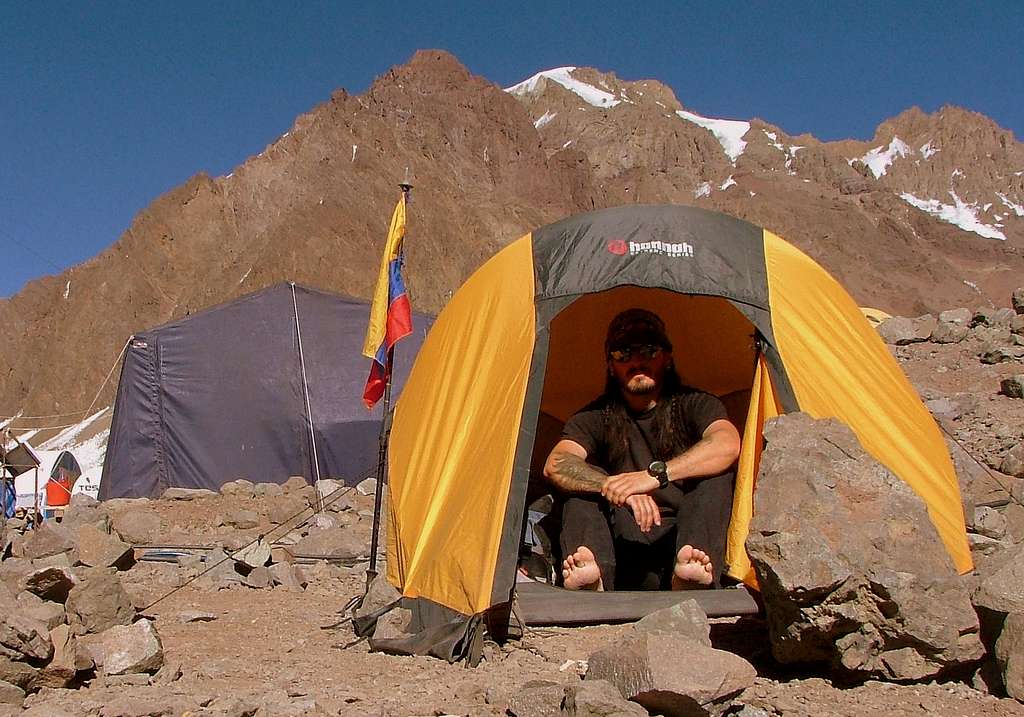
point(693, 569)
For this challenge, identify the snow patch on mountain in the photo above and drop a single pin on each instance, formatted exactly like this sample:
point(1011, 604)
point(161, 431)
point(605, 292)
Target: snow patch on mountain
point(544, 119)
point(563, 76)
point(703, 190)
point(730, 182)
point(960, 214)
point(728, 132)
point(927, 150)
point(879, 159)
point(1017, 208)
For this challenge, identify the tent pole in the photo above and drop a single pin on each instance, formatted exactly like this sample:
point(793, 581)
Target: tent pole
point(385, 433)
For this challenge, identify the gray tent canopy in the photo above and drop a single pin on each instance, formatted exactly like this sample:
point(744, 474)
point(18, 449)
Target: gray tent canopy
point(264, 387)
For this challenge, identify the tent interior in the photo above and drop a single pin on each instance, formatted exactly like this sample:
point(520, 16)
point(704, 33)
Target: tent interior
point(714, 350)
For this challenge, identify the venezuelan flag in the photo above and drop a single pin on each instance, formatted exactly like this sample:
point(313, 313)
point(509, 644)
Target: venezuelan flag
point(390, 312)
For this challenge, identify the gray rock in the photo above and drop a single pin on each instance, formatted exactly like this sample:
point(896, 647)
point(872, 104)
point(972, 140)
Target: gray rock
point(83, 512)
point(128, 649)
point(11, 694)
point(253, 555)
point(983, 545)
point(367, 487)
point(290, 576)
point(394, 623)
point(1017, 300)
point(240, 488)
point(322, 521)
point(1017, 325)
point(140, 526)
point(949, 332)
point(61, 670)
point(219, 570)
point(268, 490)
point(187, 494)
point(822, 504)
point(25, 636)
point(16, 673)
point(47, 540)
point(991, 316)
point(900, 331)
point(97, 549)
point(686, 619)
point(241, 519)
point(196, 616)
point(998, 354)
point(295, 483)
point(98, 602)
point(1012, 386)
point(600, 698)
point(1013, 462)
point(956, 316)
point(328, 488)
point(540, 698)
point(49, 583)
point(49, 613)
point(379, 596)
point(667, 674)
point(288, 509)
point(989, 522)
point(1009, 653)
point(336, 543)
point(259, 578)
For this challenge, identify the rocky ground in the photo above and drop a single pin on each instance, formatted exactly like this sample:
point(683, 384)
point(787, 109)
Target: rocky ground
point(276, 640)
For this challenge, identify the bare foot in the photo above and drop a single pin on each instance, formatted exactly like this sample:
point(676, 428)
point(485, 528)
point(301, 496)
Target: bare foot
point(580, 571)
point(692, 569)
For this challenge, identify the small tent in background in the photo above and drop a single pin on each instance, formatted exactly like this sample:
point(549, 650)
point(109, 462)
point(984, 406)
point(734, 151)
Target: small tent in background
point(263, 387)
point(752, 320)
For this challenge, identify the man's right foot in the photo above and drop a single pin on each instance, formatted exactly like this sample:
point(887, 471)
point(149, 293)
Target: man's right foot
point(580, 571)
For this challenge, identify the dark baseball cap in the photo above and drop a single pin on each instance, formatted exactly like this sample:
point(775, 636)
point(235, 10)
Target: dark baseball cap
point(636, 326)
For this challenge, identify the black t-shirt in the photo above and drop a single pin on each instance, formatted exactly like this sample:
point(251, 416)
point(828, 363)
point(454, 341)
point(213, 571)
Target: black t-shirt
point(696, 411)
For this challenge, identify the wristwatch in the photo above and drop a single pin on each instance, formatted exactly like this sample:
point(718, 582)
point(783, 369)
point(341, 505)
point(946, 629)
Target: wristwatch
point(659, 470)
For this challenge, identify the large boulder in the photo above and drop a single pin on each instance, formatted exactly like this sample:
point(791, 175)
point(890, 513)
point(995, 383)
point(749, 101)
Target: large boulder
point(900, 331)
point(1009, 652)
point(49, 539)
point(333, 543)
point(128, 649)
point(851, 569)
point(137, 526)
point(25, 637)
point(670, 674)
point(98, 549)
point(98, 602)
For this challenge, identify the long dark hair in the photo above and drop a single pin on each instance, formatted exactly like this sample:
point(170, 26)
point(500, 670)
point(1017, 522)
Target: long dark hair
point(668, 437)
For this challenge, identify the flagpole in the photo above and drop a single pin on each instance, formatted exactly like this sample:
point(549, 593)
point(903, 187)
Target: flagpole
point(385, 432)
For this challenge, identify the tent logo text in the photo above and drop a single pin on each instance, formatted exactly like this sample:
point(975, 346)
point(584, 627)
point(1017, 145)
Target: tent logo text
point(682, 250)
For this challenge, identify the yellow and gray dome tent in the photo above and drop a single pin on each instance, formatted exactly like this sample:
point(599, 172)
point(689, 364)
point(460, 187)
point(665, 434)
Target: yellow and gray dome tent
point(752, 319)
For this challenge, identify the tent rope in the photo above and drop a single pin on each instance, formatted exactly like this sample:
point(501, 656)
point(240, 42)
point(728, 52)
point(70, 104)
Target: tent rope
point(305, 392)
point(992, 475)
point(76, 413)
point(327, 500)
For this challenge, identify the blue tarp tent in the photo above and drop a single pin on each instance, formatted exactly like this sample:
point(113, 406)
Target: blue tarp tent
point(264, 387)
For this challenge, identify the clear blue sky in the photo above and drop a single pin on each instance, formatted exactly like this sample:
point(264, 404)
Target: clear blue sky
point(106, 105)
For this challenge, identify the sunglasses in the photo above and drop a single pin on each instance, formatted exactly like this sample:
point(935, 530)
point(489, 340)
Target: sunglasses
point(644, 351)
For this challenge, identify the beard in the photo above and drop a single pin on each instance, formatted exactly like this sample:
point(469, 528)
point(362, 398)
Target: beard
point(640, 385)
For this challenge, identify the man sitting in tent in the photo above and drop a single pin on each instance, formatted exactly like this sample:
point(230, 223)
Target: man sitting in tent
point(646, 471)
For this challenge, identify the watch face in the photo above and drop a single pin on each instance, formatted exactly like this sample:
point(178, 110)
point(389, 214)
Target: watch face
point(657, 468)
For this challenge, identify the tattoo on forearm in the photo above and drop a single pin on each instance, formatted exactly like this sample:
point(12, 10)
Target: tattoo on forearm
point(574, 475)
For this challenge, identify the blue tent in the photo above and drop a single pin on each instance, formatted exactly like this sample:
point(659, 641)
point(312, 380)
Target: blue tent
point(264, 387)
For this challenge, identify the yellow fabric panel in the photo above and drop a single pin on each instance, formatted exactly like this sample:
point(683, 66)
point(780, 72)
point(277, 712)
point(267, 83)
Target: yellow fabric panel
point(763, 405)
point(454, 437)
point(839, 367)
